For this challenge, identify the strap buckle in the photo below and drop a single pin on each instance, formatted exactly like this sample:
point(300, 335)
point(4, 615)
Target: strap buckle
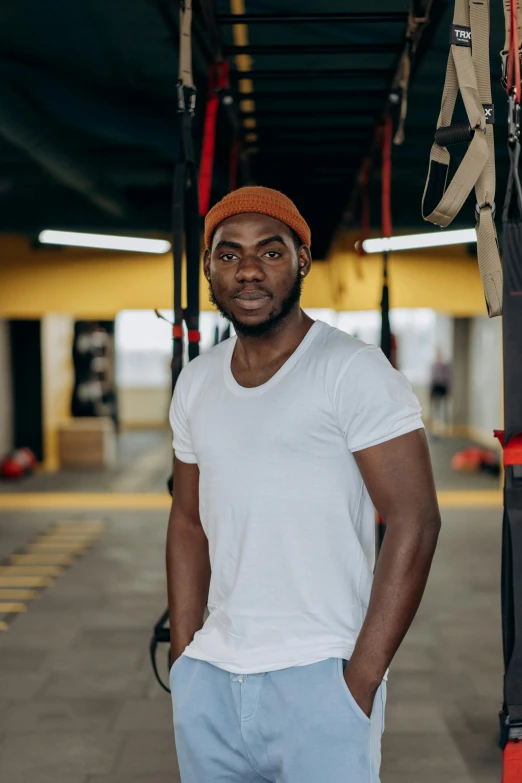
point(513, 118)
point(510, 731)
point(478, 207)
point(186, 98)
point(504, 66)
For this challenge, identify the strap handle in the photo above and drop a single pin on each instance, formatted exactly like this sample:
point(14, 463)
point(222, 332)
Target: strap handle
point(185, 44)
point(468, 71)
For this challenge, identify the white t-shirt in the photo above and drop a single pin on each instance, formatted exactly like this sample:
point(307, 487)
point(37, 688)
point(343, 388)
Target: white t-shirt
point(290, 524)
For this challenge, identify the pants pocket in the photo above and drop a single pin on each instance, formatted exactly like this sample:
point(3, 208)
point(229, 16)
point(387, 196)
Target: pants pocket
point(348, 696)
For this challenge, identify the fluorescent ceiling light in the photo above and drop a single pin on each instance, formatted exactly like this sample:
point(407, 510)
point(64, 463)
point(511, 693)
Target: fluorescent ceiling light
point(104, 241)
point(412, 241)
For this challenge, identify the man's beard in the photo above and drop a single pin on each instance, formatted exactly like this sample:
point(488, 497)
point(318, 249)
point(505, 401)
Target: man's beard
point(272, 321)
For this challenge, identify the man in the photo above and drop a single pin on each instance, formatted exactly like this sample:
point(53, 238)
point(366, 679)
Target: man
point(286, 437)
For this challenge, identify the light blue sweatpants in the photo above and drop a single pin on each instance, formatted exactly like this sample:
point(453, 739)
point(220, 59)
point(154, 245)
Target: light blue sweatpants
point(294, 725)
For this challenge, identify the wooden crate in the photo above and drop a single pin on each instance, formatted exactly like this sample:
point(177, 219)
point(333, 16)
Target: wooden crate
point(87, 442)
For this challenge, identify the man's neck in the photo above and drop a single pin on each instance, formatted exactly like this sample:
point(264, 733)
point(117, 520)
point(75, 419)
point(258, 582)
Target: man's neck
point(252, 353)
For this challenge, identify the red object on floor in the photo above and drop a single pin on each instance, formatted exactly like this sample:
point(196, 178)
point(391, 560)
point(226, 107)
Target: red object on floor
point(18, 464)
point(512, 769)
point(472, 459)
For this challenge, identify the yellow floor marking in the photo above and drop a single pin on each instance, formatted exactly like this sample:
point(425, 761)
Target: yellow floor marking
point(30, 570)
point(55, 541)
point(79, 524)
point(75, 540)
point(482, 498)
point(42, 558)
point(3, 626)
point(18, 595)
point(26, 581)
point(50, 546)
point(6, 608)
point(81, 501)
point(161, 501)
point(70, 532)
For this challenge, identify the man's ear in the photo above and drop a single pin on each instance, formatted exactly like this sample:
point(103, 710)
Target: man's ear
point(304, 259)
point(206, 263)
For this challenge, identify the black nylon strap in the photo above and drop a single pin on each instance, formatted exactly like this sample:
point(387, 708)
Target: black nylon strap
point(511, 585)
point(193, 257)
point(512, 324)
point(178, 222)
point(185, 227)
point(513, 651)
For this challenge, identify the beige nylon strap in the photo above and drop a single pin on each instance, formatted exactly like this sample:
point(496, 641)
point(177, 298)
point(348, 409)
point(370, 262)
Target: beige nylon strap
point(185, 44)
point(415, 28)
point(487, 247)
point(468, 71)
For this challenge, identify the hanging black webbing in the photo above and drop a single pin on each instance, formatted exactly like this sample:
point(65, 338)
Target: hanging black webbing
point(386, 338)
point(185, 205)
point(511, 438)
point(185, 230)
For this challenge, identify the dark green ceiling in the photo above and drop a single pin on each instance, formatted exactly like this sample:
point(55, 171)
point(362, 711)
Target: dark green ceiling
point(88, 124)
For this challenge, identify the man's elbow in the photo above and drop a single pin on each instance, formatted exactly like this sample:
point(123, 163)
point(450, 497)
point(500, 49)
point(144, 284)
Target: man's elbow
point(423, 525)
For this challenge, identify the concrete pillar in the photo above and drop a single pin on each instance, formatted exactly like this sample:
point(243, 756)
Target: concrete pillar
point(6, 401)
point(57, 381)
point(460, 375)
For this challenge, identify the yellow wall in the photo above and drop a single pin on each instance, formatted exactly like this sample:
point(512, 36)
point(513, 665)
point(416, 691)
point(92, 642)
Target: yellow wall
point(98, 284)
point(445, 279)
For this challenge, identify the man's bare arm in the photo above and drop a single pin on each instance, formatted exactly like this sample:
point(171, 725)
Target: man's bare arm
point(399, 479)
point(188, 564)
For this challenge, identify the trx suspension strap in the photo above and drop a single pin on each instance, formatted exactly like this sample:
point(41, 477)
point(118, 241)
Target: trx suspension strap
point(468, 71)
point(217, 84)
point(386, 341)
point(418, 19)
point(185, 210)
point(185, 227)
point(511, 438)
point(386, 335)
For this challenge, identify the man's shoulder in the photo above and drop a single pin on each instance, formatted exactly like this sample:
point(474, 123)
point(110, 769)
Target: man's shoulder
point(341, 346)
point(206, 363)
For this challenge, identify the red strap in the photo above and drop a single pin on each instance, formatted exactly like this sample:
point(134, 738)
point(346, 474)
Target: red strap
point(217, 80)
point(194, 336)
point(386, 178)
point(512, 768)
point(513, 64)
point(177, 330)
point(207, 154)
point(513, 450)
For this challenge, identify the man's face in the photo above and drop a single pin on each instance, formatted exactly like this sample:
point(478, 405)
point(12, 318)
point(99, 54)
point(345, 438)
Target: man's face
point(254, 272)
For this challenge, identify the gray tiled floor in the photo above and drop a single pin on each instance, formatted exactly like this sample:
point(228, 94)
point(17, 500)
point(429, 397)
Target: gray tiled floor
point(79, 703)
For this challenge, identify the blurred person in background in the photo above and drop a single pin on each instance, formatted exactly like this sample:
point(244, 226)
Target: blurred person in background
point(440, 390)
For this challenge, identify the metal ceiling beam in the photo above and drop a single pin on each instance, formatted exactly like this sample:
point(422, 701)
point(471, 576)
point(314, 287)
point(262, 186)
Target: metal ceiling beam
point(344, 48)
point(309, 73)
point(289, 112)
point(316, 94)
point(349, 16)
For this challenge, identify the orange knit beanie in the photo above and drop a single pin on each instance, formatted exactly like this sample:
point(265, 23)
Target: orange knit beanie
point(257, 199)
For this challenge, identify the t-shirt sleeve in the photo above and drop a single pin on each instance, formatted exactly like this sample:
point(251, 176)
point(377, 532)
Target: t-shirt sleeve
point(374, 402)
point(182, 439)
